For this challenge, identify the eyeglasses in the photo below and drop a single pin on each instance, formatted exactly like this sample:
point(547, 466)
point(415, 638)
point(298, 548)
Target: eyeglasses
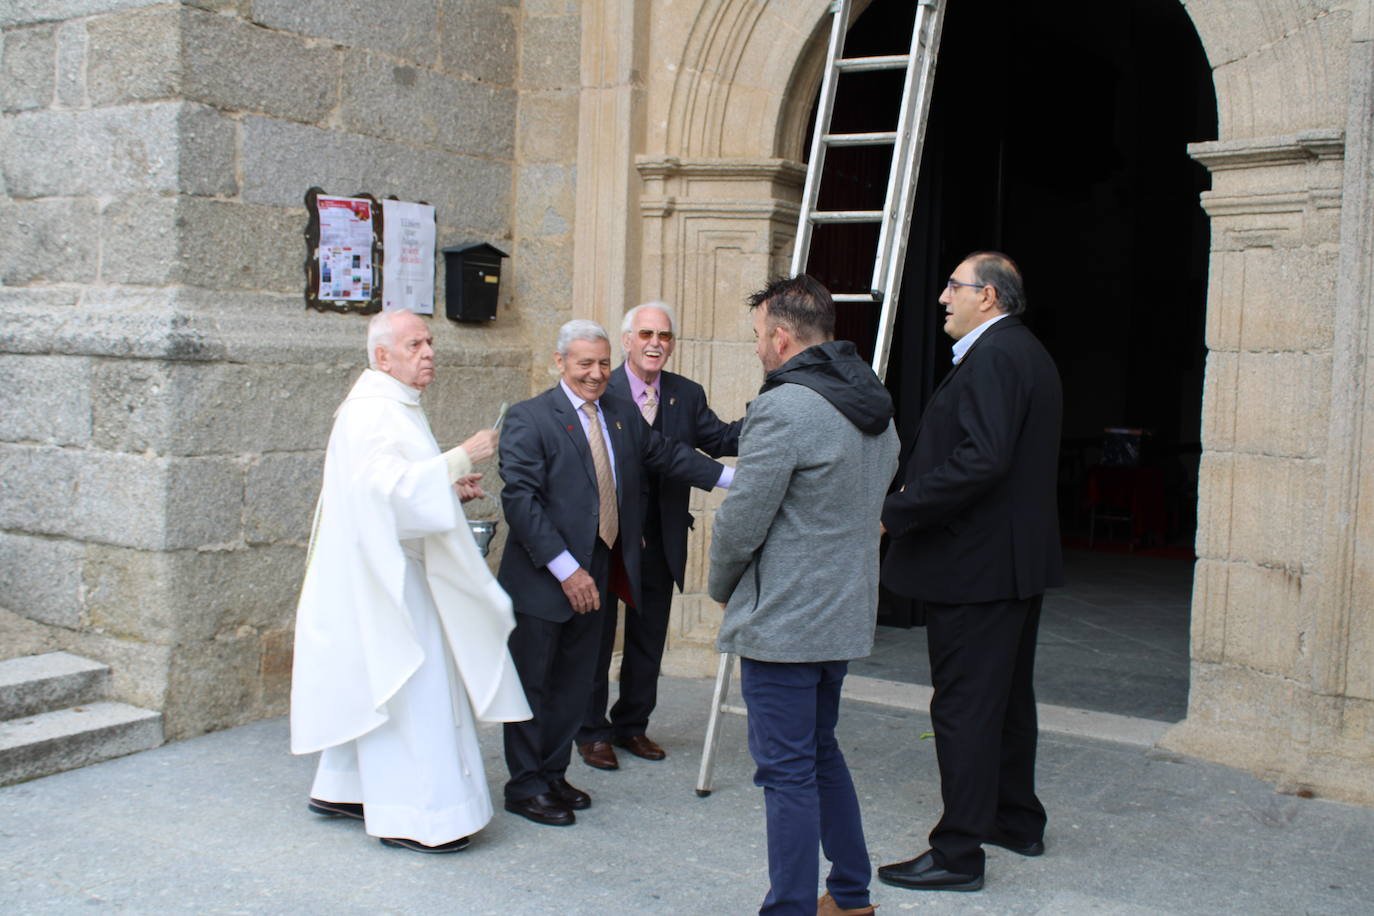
point(646, 334)
point(951, 284)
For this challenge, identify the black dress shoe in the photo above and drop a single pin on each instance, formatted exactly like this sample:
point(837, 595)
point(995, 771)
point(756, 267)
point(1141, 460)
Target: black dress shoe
point(546, 808)
point(335, 809)
point(1033, 848)
point(923, 874)
point(402, 843)
point(569, 794)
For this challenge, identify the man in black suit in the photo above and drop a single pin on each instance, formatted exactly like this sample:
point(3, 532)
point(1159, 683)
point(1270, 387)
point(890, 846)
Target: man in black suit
point(573, 466)
point(975, 535)
point(674, 406)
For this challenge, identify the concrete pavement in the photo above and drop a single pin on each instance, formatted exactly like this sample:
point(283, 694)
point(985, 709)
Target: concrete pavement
point(218, 825)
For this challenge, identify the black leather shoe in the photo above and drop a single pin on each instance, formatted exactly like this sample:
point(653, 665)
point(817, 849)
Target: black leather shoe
point(335, 809)
point(545, 808)
point(569, 794)
point(923, 874)
point(1033, 848)
point(402, 843)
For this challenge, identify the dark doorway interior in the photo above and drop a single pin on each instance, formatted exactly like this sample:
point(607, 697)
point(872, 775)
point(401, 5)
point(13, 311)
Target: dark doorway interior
point(1057, 134)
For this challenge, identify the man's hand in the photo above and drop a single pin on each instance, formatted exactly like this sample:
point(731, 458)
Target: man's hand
point(482, 445)
point(582, 592)
point(467, 488)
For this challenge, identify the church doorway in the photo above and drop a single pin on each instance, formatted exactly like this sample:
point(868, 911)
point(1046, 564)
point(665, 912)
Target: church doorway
point(1058, 135)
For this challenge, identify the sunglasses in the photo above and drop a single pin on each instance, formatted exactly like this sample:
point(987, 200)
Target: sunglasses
point(646, 334)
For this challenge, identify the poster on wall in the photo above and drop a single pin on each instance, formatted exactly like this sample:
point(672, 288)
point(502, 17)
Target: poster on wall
point(345, 251)
point(408, 256)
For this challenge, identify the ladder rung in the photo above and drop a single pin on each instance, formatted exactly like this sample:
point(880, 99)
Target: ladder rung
point(875, 296)
point(846, 216)
point(864, 64)
point(875, 138)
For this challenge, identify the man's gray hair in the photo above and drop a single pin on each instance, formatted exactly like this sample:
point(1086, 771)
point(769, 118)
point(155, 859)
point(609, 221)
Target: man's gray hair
point(380, 333)
point(628, 324)
point(579, 329)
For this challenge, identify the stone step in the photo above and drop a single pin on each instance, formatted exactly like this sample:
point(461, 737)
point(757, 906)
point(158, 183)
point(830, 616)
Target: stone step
point(50, 742)
point(37, 683)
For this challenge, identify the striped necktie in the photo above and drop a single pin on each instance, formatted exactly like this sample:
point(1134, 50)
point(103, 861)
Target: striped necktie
point(649, 406)
point(609, 522)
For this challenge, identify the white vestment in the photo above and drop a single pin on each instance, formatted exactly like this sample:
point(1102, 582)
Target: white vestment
point(401, 629)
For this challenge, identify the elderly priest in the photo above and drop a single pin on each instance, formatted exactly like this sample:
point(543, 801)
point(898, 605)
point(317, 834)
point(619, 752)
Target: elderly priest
point(401, 629)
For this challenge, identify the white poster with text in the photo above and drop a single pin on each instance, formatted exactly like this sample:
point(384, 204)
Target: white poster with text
point(408, 256)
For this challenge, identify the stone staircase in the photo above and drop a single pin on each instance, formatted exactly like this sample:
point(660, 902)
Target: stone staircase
point(54, 717)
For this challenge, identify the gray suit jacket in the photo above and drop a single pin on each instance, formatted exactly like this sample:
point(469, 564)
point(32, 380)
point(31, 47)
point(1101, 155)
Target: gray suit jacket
point(794, 549)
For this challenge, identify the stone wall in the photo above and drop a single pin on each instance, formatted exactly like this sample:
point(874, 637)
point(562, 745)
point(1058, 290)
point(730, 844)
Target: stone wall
point(168, 396)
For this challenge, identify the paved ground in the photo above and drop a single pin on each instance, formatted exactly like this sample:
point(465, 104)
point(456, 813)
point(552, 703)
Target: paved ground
point(218, 825)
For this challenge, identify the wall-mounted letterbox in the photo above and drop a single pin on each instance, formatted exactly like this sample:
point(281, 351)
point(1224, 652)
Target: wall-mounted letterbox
point(472, 280)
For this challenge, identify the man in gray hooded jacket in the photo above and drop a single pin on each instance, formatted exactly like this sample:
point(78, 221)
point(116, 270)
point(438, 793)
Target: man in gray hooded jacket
point(794, 557)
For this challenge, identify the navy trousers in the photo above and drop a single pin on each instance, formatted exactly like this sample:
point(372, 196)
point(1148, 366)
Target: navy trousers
point(809, 798)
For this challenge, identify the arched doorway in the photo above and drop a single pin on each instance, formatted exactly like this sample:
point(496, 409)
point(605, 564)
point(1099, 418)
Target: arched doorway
point(1059, 135)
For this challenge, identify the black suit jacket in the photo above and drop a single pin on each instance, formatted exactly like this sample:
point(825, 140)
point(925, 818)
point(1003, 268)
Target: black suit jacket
point(550, 499)
point(683, 416)
point(977, 520)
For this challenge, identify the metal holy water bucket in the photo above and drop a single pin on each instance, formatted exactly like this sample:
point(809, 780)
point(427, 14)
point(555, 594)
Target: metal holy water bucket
point(483, 530)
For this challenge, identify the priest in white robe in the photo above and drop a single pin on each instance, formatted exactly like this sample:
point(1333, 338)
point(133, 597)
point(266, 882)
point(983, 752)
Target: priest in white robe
point(401, 629)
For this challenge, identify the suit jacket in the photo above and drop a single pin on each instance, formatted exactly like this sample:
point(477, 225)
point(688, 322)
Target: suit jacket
point(683, 416)
point(550, 499)
point(977, 520)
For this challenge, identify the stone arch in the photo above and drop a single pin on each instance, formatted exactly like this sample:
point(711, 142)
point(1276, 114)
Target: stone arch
point(744, 73)
point(729, 95)
point(1278, 65)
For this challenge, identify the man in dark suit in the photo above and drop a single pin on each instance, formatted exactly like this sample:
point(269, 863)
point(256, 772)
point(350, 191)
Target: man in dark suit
point(975, 535)
point(573, 466)
point(675, 407)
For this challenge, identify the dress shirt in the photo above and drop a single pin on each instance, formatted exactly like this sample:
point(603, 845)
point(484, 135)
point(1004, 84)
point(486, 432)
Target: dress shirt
point(961, 346)
point(638, 386)
point(565, 564)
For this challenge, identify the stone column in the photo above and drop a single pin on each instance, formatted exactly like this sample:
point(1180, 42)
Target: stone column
point(714, 230)
point(1269, 600)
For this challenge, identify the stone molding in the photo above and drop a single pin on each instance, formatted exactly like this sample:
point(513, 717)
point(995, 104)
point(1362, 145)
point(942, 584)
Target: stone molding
point(1258, 152)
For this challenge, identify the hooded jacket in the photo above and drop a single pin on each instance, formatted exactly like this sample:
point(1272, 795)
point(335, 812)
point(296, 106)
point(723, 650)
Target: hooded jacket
point(794, 548)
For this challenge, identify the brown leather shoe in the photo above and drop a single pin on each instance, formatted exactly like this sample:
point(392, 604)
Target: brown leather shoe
point(642, 746)
point(599, 754)
point(827, 906)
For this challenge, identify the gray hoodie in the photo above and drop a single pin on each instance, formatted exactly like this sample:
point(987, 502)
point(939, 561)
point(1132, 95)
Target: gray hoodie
point(794, 548)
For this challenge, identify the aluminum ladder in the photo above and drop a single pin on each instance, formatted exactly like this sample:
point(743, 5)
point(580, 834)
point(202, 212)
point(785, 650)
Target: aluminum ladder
point(907, 142)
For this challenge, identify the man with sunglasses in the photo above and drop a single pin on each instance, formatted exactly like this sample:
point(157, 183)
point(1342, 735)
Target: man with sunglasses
point(676, 407)
point(975, 535)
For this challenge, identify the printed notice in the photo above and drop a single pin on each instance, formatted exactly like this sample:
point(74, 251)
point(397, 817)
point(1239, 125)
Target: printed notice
point(345, 248)
point(408, 256)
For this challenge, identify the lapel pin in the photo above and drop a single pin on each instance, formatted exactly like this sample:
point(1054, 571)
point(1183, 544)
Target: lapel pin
point(617, 425)
point(569, 429)
point(672, 402)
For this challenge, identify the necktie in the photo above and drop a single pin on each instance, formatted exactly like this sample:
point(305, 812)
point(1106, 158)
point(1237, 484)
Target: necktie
point(609, 522)
point(649, 406)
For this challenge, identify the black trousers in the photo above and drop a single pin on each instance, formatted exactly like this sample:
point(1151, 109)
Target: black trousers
point(982, 663)
point(646, 631)
point(555, 661)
